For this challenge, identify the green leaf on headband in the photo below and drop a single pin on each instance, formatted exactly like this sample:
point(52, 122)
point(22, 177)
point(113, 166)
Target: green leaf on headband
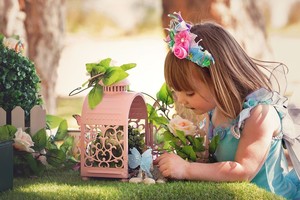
point(172, 35)
point(206, 62)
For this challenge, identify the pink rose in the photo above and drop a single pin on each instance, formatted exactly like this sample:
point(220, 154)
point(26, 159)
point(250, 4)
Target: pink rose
point(179, 52)
point(43, 160)
point(23, 141)
point(183, 39)
point(180, 124)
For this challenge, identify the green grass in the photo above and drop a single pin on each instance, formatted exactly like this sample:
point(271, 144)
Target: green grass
point(69, 185)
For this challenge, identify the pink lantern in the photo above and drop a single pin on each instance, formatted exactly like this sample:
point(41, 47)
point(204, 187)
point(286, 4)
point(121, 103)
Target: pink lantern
point(104, 131)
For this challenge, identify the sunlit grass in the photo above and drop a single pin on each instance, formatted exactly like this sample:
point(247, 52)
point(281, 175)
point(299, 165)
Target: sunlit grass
point(69, 185)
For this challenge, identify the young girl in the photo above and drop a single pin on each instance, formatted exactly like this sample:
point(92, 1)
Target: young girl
point(210, 73)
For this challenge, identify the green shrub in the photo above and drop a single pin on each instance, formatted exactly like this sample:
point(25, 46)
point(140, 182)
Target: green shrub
point(19, 83)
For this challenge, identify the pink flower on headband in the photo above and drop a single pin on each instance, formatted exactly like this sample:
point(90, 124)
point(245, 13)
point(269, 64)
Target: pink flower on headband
point(180, 52)
point(183, 39)
point(182, 42)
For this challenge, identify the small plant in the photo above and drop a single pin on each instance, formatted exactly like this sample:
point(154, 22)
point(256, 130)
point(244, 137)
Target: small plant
point(19, 83)
point(33, 154)
point(135, 139)
point(103, 74)
point(175, 134)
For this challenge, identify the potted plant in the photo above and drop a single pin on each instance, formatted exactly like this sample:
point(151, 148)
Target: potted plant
point(6, 158)
point(19, 83)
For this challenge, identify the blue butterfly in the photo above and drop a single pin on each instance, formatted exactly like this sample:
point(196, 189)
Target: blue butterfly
point(145, 160)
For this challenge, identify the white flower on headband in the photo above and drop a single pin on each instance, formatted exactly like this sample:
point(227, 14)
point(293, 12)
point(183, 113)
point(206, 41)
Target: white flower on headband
point(182, 42)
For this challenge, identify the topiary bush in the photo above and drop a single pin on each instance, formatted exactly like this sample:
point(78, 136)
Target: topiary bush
point(19, 82)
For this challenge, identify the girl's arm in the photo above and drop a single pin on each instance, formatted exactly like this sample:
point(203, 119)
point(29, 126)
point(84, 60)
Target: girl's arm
point(251, 153)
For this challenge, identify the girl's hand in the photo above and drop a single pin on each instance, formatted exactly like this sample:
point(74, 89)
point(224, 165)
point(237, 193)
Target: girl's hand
point(172, 166)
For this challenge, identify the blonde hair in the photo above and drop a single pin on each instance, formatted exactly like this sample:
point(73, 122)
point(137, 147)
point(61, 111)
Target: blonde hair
point(233, 76)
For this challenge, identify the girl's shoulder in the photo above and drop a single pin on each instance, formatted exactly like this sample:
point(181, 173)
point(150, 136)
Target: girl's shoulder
point(261, 103)
point(264, 118)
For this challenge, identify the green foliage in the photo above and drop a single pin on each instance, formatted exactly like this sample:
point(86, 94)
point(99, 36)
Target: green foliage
point(104, 74)
point(19, 83)
point(213, 147)
point(136, 139)
point(55, 148)
point(59, 144)
point(7, 132)
point(187, 147)
point(165, 95)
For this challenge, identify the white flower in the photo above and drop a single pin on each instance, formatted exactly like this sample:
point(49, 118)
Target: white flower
point(23, 141)
point(178, 123)
point(43, 160)
point(41, 156)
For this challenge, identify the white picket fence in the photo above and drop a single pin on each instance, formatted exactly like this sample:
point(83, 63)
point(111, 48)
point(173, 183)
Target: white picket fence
point(37, 118)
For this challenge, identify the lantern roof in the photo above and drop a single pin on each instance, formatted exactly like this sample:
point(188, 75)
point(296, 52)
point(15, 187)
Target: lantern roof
point(116, 107)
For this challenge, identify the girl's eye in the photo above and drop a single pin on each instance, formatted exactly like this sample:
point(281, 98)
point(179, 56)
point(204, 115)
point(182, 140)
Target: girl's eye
point(189, 94)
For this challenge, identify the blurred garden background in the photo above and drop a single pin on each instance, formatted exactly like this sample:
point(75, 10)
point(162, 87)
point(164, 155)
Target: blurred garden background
point(61, 36)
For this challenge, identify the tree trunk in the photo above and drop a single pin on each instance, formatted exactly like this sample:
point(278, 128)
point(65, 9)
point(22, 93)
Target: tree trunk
point(11, 20)
point(44, 25)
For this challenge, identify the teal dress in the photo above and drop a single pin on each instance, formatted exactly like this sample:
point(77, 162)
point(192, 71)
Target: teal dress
point(274, 175)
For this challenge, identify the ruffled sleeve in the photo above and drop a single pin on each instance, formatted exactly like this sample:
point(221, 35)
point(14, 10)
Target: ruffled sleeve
point(290, 130)
point(261, 96)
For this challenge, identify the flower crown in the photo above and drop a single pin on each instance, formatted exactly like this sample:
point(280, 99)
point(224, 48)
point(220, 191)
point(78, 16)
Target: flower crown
point(182, 42)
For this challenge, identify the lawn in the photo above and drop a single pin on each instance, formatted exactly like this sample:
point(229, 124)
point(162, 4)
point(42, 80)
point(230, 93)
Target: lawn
point(69, 185)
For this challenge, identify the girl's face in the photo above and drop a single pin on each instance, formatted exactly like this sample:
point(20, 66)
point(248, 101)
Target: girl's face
point(200, 101)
